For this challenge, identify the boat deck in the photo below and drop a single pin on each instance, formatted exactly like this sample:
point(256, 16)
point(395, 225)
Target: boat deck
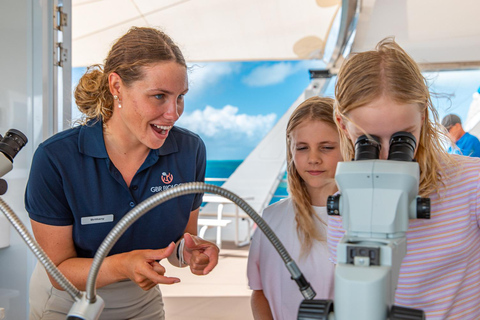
point(223, 294)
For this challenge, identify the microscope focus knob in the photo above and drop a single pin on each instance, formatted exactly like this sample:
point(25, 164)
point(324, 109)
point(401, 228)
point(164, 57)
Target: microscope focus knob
point(3, 189)
point(403, 313)
point(315, 309)
point(423, 208)
point(333, 205)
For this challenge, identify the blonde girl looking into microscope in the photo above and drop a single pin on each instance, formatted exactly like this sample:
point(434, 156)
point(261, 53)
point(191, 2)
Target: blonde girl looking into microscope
point(381, 92)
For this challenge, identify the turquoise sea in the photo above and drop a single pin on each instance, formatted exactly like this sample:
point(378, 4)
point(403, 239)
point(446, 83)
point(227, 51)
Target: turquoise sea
point(222, 169)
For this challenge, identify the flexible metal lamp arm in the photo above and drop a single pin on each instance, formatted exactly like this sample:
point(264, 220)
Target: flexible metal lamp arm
point(183, 189)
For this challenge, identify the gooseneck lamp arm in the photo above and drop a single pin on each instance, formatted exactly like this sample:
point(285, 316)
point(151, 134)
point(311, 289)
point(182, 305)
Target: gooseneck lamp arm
point(184, 189)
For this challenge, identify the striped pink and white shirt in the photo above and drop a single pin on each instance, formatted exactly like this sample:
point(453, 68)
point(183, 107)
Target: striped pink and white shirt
point(441, 272)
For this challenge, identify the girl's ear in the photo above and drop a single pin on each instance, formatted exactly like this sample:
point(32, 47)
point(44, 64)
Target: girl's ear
point(342, 125)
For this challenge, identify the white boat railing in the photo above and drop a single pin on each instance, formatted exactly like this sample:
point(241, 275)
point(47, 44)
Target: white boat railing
point(219, 218)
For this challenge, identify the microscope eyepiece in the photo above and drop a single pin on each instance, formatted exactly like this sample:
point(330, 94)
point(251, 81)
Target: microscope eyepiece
point(402, 146)
point(367, 148)
point(12, 143)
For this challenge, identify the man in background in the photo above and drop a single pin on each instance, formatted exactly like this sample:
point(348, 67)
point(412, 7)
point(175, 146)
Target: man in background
point(467, 144)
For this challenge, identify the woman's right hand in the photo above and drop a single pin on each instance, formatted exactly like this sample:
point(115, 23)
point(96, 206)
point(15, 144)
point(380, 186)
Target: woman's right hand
point(143, 267)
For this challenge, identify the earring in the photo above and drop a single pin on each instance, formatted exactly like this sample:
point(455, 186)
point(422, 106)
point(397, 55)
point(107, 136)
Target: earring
point(115, 97)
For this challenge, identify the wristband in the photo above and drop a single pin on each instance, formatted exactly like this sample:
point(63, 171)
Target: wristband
point(181, 260)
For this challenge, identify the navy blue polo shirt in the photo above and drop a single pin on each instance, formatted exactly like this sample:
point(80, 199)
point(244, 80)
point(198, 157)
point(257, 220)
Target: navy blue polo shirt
point(73, 182)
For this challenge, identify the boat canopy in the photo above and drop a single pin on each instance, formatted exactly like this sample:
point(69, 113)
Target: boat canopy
point(438, 35)
point(442, 35)
point(208, 30)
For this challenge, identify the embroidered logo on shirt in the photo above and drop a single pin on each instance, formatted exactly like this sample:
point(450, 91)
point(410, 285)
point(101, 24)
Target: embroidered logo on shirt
point(167, 178)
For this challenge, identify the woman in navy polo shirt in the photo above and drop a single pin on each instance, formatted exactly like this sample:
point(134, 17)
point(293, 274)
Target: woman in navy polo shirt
point(85, 179)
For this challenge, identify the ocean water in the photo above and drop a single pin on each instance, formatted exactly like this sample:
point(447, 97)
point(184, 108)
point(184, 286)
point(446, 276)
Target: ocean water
point(222, 169)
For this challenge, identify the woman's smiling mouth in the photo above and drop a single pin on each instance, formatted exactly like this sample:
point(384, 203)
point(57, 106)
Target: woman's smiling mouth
point(161, 129)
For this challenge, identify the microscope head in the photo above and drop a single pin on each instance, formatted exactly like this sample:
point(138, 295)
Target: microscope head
point(377, 197)
point(10, 145)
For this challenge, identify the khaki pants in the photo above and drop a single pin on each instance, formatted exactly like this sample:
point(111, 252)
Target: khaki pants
point(123, 300)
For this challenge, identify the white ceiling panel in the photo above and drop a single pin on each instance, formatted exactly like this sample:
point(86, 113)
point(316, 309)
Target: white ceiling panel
point(432, 31)
point(208, 30)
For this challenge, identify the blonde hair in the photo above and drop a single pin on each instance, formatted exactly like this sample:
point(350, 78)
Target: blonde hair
point(139, 47)
point(390, 71)
point(314, 108)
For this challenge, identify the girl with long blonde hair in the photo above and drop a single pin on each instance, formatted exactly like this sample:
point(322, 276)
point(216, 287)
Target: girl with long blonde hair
point(313, 151)
point(381, 92)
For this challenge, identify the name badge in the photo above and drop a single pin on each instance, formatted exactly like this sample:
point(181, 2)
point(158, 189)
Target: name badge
point(97, 219)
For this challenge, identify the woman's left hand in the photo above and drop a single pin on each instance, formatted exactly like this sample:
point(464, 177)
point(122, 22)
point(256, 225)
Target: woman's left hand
point(199, 254)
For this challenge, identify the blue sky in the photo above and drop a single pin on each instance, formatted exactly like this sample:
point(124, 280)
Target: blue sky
point(232, 105)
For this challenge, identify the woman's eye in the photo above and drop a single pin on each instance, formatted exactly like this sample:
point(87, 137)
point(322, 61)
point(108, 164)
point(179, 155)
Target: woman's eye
point(301, 148)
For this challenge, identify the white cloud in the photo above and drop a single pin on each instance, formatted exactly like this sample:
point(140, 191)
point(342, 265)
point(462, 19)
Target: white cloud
point(270, 74)
point(266, 75)
point(226, 123)
point(201, 75)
